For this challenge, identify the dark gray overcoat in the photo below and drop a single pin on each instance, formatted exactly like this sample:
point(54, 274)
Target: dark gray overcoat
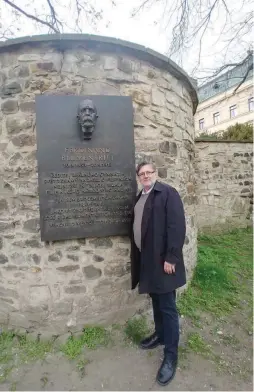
point(162, 239)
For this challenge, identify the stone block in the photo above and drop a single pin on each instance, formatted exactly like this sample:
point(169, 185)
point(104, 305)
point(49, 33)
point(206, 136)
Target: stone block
point(23, 140)
point(47, 66)
point(73, 257)
point(27, 57)
point(1, 243)
point(39, 296)
point(110, 63)
point(21, 71)
point(27, 106)
point(162, 172)
point(73, 248)
point(158, 98)
point(32, 225)
point(33, 243)
point(56, 256)
point(18, 258)
point(98, 259)
point(75, 281)
point(82, 241)
point(190, 187)
point(62, 307)
point(3, 205)
point(156, 118)
point(68, 268)
point(4, 317)
point(159, 160)
point(5, 225)
point(124, 65)
point(3, 259)
point(10, 89)
point(122, 252)
point(101, 243)
point(91, 272)
point(121, 78)
point(115, 270)
point(6, 292)
point(34, 258)
point(17, 124)
point(10, 106)
point(88, 71)
point(167, 132)
point(173, 149)
point(75, 290)
point(186, 241)
point(164, 147)
point(140, 97)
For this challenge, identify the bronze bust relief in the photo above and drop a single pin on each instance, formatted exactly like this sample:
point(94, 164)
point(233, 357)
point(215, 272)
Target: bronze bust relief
point(87, 117)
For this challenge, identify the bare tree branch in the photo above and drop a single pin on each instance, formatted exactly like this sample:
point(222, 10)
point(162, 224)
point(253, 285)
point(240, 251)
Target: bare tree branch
point(55, 20)
point(43, 22)
point(250, 68)
point(194, 20)
point(141, 7)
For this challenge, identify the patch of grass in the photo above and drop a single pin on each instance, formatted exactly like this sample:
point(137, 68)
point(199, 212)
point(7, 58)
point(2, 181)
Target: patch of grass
point(13, 387)
point(31, 350)
point(81, 366)
point(95, 336)
point(196, 344)
point(22, 349)
point(136, 329)
point(224, 261)
point(4, 372)
point(230, 340)
point(6, 343)
point(116, 327)
point(92, 337)
point(44, 380)
point(182, 353)
point(73, 347)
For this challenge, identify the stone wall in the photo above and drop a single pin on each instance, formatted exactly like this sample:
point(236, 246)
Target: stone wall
point(63, 285)
point(224, 185)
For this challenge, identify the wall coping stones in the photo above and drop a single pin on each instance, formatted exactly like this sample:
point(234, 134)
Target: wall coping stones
point(107, 44)
point(222, 141)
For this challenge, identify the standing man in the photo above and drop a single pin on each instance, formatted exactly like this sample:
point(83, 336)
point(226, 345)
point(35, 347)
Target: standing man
point(157, 261)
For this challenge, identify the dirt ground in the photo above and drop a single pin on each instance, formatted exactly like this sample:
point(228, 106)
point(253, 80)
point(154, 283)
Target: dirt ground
point(222, 362)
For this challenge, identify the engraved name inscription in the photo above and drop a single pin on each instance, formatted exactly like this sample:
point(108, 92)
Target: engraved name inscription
point(87, 197)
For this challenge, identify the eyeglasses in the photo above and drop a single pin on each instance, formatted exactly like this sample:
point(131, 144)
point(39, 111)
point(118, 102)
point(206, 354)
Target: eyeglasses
point(146, 174)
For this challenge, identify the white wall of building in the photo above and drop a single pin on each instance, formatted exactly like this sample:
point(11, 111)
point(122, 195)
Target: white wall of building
point(221, 104)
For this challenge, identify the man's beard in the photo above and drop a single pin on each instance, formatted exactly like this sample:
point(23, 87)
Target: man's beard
point(87, 123)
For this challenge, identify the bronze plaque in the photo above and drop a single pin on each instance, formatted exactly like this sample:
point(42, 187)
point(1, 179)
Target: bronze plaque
point(86, 166)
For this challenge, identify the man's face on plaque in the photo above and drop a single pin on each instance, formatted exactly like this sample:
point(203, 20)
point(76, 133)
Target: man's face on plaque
point(87, 115)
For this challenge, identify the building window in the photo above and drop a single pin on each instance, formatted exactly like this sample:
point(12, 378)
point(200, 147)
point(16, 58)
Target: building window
point(216, 118)
point(201, 124)
point(251, 104)
point(232, 111)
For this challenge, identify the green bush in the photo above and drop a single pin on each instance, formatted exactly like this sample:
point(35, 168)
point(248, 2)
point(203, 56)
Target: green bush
point(237, 132)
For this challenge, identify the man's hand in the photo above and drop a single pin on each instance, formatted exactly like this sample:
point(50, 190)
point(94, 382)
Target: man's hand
point(169, 268)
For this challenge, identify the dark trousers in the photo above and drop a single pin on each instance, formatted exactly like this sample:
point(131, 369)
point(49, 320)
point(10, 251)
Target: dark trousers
point(166, 321)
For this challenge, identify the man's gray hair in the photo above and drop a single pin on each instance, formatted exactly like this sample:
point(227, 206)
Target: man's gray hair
point(144, 163)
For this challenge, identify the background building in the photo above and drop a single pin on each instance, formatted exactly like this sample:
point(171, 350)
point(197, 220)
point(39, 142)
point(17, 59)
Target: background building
point(220, 106)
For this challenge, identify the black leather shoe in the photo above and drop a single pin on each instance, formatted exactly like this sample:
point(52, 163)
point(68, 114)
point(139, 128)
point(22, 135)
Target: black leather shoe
point(150, 342)
point(167, 371)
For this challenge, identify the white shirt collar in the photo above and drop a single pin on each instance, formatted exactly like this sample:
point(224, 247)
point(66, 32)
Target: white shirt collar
point(146, 193)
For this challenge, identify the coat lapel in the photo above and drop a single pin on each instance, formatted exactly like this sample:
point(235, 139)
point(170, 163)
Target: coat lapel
point(147, 214)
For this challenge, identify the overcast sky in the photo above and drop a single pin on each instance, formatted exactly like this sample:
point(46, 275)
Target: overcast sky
point(117, 22)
